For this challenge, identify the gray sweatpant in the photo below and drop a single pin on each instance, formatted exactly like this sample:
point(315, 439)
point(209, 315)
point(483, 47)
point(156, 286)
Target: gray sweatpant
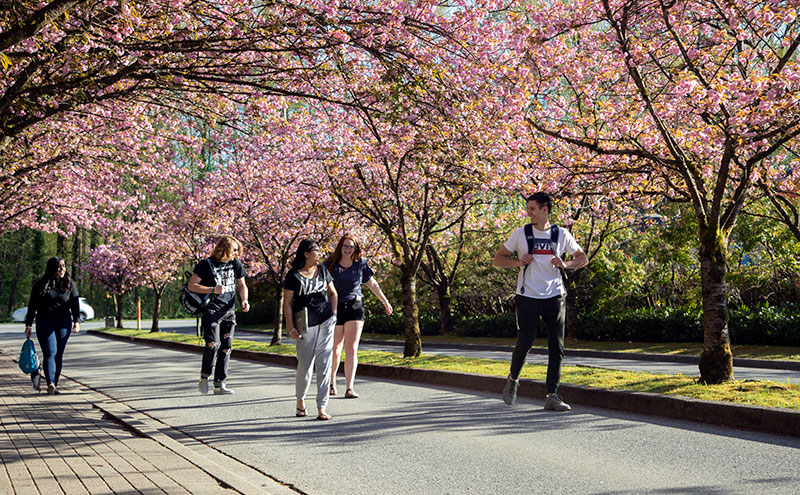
point(314, 353)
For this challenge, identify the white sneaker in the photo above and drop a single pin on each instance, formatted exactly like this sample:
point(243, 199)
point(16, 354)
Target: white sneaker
point(203, 385)
point(554, 402)
point(222, 390)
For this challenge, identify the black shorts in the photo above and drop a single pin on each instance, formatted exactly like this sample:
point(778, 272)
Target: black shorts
point(350, 310)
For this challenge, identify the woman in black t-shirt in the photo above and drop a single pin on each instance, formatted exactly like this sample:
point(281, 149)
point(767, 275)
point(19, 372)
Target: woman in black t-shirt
point(309, 306)
point(54, 305)
point(222, 276)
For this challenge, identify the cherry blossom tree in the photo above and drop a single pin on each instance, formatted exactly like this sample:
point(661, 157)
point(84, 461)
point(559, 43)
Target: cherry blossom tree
point(111, 269)
point(692, 100)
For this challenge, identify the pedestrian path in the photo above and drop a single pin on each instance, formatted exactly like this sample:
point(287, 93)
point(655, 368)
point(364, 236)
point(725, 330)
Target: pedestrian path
point(69, 444)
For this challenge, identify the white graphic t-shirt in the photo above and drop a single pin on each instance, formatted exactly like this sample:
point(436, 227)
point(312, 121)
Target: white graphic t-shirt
point(542, 280)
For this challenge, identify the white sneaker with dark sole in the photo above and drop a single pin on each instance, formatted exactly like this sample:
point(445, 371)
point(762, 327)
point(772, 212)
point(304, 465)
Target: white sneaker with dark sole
point(222, 390)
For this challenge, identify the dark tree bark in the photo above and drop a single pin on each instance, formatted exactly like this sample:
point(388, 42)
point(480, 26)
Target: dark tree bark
point(413, 341)
point(277, 325)
point(158, 290)
point(118, 307)
point(716, 359)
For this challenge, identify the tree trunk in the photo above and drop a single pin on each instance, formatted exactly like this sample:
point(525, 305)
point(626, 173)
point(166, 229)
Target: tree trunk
point(159, 292)
point(12, 290)
point(118, 307)
point(277, 325)
point(61, 246)
point(716, 360)
point(413, 345)
point(76, 254)
point(445, 309)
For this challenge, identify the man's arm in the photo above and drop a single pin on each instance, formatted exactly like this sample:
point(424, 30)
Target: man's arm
point(194, 286)
point(241, 287)
point(503, 259)
point(579, 260)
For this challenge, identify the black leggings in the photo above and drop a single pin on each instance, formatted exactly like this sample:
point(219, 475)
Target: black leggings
point(528, 312)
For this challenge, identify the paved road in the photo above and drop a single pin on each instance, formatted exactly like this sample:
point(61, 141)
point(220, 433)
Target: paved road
point(402, 438)
point(741, 373)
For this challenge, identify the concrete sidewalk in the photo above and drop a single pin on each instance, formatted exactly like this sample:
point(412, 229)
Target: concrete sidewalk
point(74, 443)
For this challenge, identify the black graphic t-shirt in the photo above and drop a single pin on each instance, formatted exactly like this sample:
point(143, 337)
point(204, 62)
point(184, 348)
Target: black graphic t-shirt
point(224, 274)
point(311, 293)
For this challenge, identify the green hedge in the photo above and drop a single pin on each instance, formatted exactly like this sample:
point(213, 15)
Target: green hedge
point(763, 325)
point(767, 325)
point(502, 325)
point(643, 325)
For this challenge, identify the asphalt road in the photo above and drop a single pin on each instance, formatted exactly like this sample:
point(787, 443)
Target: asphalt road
point(741, 373)
point(402, 438)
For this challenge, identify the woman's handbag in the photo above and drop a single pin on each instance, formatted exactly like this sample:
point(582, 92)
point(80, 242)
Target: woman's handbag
point(28, 358)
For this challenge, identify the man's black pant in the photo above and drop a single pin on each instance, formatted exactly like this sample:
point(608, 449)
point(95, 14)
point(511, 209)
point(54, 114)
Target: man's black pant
point(218, 334)
point(551, 311)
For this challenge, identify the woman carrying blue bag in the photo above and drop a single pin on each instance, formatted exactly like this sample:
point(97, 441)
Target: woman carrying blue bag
point(54, 305)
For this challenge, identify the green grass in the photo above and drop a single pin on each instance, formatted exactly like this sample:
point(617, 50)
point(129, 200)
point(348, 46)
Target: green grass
point(684, 348)
point(761, 393)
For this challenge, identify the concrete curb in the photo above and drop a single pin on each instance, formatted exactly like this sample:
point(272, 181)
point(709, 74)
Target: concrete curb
point(741, 416)
point(632, 356)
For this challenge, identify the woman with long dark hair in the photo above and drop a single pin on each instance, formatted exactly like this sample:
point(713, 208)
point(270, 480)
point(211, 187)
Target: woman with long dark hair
point(309, 306)
point(55, 306)
point(349, 270)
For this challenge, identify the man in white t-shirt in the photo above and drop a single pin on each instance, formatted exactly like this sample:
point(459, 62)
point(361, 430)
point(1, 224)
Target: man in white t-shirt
point(540, 292)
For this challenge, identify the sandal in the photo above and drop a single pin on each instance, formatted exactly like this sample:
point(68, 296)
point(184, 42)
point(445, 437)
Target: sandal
point(333, 389)
point(301, 413)
point(350, 394)
point(324, 416)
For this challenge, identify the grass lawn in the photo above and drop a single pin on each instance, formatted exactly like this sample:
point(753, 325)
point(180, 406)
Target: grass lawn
point(682, 348)
point(762, 393)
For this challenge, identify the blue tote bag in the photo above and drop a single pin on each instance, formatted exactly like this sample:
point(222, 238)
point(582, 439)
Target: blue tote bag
point(28, 358)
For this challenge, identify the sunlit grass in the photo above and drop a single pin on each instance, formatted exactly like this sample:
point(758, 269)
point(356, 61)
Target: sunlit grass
point(761, 393)
point(680, 348)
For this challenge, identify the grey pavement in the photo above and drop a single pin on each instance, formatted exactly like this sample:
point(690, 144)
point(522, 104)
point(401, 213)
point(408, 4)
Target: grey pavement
point(620, 363)
point(68, 444)
point(403, 438)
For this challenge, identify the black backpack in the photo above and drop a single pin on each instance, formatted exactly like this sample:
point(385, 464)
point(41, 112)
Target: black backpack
point(193, 302)
point(531, 245)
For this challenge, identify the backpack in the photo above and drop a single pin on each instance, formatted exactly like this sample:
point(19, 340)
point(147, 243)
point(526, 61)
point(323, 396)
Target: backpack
point(531, 245)
point(193, 302)
point(28, 358)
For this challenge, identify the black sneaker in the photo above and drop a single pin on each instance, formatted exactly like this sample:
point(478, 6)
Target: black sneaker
point(36, 379)
point(510, 390)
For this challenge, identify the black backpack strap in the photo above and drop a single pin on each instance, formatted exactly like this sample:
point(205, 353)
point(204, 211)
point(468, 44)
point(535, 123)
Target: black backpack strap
point(554, 246)
point(554, 239)
point(528, 229)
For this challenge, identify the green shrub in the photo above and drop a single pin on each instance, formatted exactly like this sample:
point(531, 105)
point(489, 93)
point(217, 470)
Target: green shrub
point(772, 325)
point(644, 325)
point(764, 325)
